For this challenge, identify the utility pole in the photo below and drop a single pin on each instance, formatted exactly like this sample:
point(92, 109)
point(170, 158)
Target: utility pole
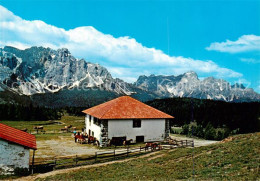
point(192, 127)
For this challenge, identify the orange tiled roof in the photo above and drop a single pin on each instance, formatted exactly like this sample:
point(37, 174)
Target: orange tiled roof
point(125, 107)
point(17, 136)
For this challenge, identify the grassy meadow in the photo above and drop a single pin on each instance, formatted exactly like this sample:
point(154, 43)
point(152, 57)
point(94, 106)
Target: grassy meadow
point(235, 158)
point(51, 126)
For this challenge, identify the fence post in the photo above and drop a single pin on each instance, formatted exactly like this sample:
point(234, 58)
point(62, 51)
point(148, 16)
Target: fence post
point(114, 154)
point(127, 150)
point(96, 157)
point(33, 161)
point(140, 149)
point(55, 162)
point(76, 160)
point(186, 143)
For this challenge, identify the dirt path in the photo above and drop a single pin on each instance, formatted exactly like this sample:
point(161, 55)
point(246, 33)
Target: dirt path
point(62, 146)
point(65, 146)
point(156, 156)
point(69, 147)
point(34, 177)
point(197, 142)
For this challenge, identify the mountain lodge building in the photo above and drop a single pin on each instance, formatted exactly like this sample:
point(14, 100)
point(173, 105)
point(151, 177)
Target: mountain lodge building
point(126, 118)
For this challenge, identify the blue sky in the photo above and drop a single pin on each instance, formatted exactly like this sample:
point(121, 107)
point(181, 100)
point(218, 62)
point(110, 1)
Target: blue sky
point(130, 38)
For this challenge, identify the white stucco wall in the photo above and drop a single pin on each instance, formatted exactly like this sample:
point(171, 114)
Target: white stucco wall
point(93, 127)
point(12, 156)
point(151, 129)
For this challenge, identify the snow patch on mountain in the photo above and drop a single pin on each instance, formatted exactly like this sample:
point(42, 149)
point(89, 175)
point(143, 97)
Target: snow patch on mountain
point(43, 70)
point(188, 85)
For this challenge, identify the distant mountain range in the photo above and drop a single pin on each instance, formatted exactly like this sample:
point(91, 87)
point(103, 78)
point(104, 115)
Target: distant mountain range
point(55, 78)
point(188, 85)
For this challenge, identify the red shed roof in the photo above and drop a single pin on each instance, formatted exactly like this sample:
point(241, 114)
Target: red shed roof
point(17, 136)
point(125, 107)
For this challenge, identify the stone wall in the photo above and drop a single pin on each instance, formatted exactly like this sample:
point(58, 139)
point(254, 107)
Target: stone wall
point(12, 156)
point(167, 128)
point(104, 133)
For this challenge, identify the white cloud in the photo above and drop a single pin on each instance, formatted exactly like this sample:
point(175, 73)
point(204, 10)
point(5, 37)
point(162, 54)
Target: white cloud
point(250, 60)
point(244, 43)
point(257, 89)
point(245, 82)
point(125, 57)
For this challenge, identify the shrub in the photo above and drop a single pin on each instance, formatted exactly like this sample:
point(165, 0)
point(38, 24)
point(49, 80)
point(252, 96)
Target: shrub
point(185, 129)
point(199, 132)
point(172, 131)
point(220, 135)
point(210, 132)
point(235, 131)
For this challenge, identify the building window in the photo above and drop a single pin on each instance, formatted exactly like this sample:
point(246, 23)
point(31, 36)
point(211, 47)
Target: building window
point(97, 121)
point(137, 123)
point(90, 120)
point(93, 133)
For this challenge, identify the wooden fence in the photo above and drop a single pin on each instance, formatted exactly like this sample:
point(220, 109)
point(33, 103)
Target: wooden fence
point(172, 143)
point(102, 156)
point(48, 131)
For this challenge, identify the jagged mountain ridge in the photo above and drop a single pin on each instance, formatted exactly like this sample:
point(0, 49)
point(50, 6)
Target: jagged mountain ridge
point(42, 70)
point(189, 85)
point(50, 77)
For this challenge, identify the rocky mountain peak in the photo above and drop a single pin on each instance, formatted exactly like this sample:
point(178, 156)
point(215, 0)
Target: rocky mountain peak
point(191, 74)
point(63, 52)
point(237, 85)
point(188, 85)
point(10, 49)
point(43, 70)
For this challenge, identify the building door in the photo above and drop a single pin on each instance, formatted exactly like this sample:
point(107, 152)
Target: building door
point(118, 141)
point(139, 139)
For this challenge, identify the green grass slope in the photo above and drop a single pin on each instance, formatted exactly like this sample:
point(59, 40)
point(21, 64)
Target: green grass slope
point(235, 158)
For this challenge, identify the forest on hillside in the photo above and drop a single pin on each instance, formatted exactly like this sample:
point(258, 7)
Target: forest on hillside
point(210, 119)
point(17, 112)
point(203, 118)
